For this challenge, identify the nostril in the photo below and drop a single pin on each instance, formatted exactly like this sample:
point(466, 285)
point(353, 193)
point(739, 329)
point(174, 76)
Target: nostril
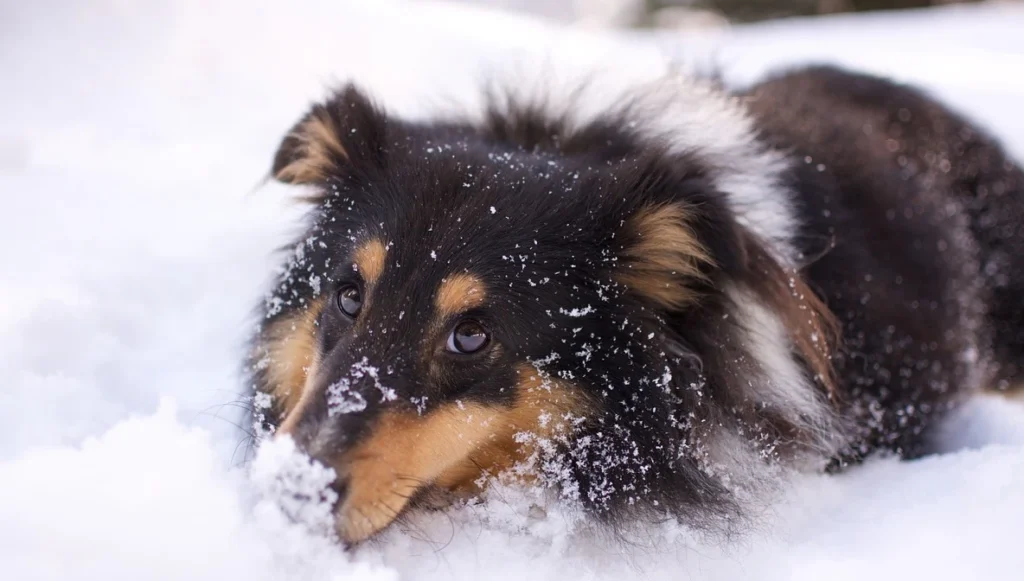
point(340, 488)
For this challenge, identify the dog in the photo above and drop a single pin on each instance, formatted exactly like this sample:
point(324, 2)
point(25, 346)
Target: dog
point(645, 299)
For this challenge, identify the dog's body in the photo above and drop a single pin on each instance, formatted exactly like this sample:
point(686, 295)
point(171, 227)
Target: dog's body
point(643, 299)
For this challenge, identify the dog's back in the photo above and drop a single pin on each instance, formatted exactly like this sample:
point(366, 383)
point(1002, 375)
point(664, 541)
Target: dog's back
point(913, 230)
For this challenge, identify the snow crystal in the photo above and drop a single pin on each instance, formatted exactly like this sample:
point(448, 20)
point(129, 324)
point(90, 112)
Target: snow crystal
point(342, 399)
point(578, 312)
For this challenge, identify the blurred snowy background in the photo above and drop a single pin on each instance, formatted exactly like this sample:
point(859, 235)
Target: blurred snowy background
point(136, 234)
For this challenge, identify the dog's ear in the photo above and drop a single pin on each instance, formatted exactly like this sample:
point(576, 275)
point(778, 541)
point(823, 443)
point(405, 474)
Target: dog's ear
point(662, 259)
point(345, 135)
point(672, 231)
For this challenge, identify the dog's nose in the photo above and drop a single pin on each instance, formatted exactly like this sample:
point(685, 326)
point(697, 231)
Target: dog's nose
point(323, 428)
point(340, 487)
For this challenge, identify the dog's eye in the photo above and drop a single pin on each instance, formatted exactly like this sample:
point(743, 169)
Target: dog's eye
point(349, 300)
point(468, 337)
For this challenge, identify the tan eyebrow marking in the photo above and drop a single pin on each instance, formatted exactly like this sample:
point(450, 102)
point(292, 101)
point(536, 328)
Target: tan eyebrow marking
point(458, 293)
point(369, 260)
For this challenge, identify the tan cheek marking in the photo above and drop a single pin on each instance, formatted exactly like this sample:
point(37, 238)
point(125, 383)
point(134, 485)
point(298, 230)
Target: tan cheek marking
point(545, 408)
point(666, 255)
point(291, 350)
point(404, 452)
point(459, 292)
point(369, 260)
point(319, 145)
point(450, 447)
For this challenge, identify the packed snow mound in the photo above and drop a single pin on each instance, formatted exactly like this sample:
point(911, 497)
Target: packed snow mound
point(153, 498)
point(138, 236)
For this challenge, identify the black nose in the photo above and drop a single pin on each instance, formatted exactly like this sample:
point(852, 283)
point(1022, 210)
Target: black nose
point(340, 488)
point(321, 433)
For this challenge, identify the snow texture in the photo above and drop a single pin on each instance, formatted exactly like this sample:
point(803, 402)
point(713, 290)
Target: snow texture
point(138, 234)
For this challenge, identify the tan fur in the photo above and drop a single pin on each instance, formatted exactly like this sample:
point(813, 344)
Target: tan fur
point(293, 413)
point(319, 147)
point(458, 293)
point(812, 327)
point(404, 452)
point(290, 345)
point(665, 258)
point(450, 447)
point(544, 408)
point(814, 331)
point(369, 260)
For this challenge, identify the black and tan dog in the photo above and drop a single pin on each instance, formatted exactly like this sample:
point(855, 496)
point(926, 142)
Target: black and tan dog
point(644, 299)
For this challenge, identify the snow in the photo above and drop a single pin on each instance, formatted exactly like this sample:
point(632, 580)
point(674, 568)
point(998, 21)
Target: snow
point(138, 234)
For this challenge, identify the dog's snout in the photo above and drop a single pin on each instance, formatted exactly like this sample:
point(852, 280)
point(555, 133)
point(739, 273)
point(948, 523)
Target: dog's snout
point(358, 419)
point(334, 407)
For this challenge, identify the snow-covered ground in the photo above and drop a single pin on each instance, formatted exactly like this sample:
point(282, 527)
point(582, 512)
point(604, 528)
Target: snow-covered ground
point(136, 234)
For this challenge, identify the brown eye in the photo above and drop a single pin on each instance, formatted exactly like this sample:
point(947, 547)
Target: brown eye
point(468, 337)
point(349, 300)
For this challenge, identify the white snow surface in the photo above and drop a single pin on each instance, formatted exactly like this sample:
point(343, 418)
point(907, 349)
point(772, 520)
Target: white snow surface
point(137, 235)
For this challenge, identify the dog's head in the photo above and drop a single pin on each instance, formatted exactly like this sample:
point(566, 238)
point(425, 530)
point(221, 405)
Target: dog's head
point(468, 296)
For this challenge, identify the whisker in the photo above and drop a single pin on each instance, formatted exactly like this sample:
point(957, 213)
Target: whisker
point(399, 517)
point(248, 441)
point(451, 535)
point(404, 478)
point(238, 404)
point(247, 431)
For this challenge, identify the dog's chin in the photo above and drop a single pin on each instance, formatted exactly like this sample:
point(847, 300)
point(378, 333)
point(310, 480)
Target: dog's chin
point(361, 516)
point(356, 521)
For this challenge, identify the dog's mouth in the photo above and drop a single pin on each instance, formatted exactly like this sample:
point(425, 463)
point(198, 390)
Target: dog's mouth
point(358, 519)
point(364, 510)
point(404, 459)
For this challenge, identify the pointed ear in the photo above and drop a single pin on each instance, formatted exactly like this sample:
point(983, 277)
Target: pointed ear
point(345, 135)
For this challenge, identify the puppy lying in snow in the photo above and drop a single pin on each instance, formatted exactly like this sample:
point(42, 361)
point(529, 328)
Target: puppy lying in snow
point(643, 298)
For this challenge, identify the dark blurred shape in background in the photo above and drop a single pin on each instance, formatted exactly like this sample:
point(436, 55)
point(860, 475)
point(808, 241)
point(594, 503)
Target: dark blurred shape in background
point(695, 13)
point(752, 10)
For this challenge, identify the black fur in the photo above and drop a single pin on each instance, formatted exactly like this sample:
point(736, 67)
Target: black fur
point(918, 218)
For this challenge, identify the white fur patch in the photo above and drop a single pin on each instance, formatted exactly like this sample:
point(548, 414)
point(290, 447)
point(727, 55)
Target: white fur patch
point(783, 384)
point(690, 115)
point(695, 116)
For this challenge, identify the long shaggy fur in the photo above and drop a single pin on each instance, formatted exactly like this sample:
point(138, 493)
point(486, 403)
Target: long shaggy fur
point(681, 288)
